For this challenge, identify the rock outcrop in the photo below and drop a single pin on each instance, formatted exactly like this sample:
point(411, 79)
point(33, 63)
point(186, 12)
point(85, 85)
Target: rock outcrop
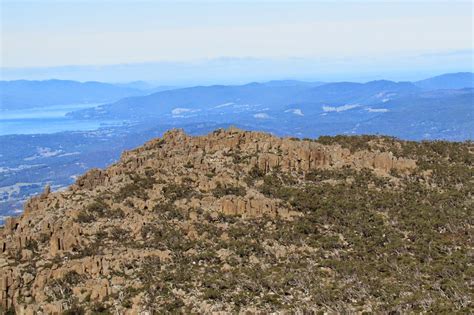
point(91, 242)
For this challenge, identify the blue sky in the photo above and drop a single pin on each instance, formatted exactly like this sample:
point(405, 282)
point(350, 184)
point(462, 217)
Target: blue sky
point(332, 35)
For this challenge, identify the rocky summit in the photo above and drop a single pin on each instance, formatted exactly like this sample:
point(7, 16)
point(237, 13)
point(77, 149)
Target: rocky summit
point(246, 222)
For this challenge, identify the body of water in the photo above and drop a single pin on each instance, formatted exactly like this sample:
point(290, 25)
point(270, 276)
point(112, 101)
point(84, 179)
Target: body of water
point(49, 119)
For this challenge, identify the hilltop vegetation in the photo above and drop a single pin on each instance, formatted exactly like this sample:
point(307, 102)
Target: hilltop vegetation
point(246, 222)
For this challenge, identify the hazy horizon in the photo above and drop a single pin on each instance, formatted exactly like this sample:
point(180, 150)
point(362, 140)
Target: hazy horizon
point(209, 42)
point(240, 71)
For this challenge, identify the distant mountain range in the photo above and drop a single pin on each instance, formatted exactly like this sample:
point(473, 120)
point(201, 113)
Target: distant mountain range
point(23, 94)
point(435, 108)
point(145, 86)
point(188, 101)
point(253, 97)
point(448, 81)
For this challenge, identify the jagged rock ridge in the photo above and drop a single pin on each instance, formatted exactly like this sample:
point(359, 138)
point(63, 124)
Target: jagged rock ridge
point(99, 243)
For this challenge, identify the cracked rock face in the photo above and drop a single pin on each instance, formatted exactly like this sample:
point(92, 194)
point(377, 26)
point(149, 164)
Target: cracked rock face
point(104, 240)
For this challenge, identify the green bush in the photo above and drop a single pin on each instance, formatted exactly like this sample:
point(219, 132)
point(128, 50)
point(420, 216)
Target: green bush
point(137, 188)
point(221, 190)
point(175, 192)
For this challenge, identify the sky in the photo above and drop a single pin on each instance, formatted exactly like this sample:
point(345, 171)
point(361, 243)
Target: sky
point(68, 39)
